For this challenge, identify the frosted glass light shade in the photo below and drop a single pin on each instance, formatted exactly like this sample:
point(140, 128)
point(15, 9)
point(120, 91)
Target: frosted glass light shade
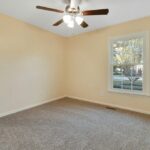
point(79, 20)
point(67, 19)
point(71, 24)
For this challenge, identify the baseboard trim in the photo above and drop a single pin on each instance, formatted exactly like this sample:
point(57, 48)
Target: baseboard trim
point(77, 98)
point(30, 106)
point(111, 105)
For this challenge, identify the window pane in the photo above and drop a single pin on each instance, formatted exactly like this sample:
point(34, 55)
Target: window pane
point(138, 77)
point(138, 51)
point(122, 55)
point(127, 73)
point(128, 51)
point(117, 84)
point(127, 60)
point(117, 77)
point(117, 70)
point(137, 85)
point(137, 58)
point(126, 83)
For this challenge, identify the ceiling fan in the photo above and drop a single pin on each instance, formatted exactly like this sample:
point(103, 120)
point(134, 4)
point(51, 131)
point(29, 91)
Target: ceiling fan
point(72, 14)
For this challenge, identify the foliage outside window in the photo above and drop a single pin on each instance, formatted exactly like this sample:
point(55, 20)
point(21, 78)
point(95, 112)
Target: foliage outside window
point(128, 63)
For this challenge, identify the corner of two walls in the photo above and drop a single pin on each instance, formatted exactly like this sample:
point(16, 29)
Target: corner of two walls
point(31, 66)
point(37, 66)
point(87, 67)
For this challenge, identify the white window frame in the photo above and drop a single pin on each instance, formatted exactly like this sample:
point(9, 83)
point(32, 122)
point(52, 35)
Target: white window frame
point(146, 63)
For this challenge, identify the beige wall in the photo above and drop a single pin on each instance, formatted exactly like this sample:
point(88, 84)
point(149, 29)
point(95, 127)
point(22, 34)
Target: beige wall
point(88, 66)
point(31, 65)
point(36, 65)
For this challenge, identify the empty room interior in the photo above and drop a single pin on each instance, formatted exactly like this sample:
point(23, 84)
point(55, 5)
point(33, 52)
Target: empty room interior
point(74, 75)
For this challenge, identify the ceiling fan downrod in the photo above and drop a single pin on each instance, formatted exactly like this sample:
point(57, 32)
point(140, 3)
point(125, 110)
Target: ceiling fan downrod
point(74, 4)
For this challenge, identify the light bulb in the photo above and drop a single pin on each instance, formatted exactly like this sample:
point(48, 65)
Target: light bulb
point(79, 20)
point(71, 24)
point(67, 19)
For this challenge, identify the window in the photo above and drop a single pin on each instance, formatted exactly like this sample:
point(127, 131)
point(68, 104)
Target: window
point(129, 64)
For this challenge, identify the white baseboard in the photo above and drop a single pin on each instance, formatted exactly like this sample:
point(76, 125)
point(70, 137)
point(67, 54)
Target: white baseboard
point(77, 98)
point(30, 106)
point(111, 105)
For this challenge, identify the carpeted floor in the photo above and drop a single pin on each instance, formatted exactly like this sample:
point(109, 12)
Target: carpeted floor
point(73, 125)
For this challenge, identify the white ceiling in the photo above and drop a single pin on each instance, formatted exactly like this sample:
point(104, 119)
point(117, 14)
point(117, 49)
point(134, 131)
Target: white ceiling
point(120, 11)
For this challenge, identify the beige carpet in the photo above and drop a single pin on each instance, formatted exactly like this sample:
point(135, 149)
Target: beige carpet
point(73, 125)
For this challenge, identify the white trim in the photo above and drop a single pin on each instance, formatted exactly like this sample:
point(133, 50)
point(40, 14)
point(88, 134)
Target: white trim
point(147, 62)
point(122, 91)
point(77, 98)
point(30, 106)
point(146, 80)
point(111, 105)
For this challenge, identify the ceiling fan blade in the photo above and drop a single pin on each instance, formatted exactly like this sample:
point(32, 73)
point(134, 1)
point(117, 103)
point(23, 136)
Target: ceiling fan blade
point(49, 9)
point(84, 24)
point(95, 12)
point(58, 22)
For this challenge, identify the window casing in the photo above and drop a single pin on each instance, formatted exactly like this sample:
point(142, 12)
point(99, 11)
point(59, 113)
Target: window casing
point(129, 64)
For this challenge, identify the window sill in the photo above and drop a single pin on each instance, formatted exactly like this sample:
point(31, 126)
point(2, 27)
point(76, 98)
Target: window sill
point(129, 92)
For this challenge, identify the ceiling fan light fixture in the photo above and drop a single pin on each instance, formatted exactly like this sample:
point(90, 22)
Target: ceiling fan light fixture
point(79, 20)
point(72, 14)
point(67, 19)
